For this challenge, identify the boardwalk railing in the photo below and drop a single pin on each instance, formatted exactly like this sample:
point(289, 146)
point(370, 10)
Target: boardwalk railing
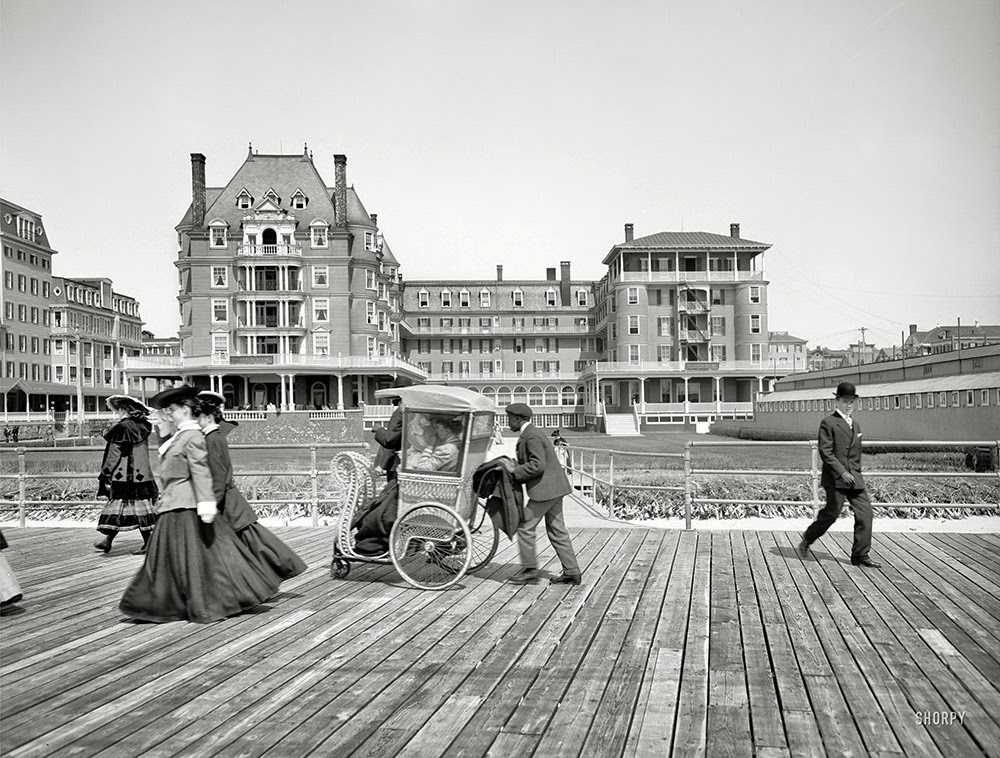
point(313, 472)
point(582, 466)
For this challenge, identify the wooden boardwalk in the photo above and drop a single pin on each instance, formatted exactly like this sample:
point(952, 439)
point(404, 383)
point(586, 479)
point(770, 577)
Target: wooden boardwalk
point(678, 643)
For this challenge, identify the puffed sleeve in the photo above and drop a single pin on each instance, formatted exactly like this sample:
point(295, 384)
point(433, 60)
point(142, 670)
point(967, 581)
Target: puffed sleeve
point(201, 477)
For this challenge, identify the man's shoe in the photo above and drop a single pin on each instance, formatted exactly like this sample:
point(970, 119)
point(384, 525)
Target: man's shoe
point(524, 577)
point(566, 579)
point(866, 563)
point(803, 548)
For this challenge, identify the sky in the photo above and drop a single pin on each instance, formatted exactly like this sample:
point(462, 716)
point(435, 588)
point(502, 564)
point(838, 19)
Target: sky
point(860, 138)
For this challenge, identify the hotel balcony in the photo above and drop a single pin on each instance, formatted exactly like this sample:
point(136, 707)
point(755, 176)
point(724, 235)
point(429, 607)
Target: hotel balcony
point(569, 377)
point(256, 251)
point(693, 306)
point(693, 335)
point(631, 369)
point(691, 276)
point(164, 364)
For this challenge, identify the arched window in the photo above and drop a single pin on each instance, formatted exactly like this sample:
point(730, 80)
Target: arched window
point(568, 396)
point(551, 396)
point(504, 397)
point(535, 396)
point(229, 392)
point(520, 395)
point(317, 395)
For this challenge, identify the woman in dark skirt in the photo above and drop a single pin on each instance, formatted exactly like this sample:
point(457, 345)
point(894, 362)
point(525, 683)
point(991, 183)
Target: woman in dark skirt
point(233, 507)
point(126, 478)
point(196, 569)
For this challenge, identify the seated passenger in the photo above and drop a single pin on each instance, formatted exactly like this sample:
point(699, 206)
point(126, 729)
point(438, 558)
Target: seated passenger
point(436, 447)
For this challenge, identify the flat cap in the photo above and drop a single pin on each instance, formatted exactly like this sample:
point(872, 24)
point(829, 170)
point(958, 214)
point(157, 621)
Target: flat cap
point(519, 409)
point(173, 395)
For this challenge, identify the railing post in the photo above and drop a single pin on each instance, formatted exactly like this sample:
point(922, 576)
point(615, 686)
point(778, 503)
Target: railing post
point(593, 478)
point(814, 472)
point(611, 484)
point(687, 485)
point(313, 475)
point(21, 506)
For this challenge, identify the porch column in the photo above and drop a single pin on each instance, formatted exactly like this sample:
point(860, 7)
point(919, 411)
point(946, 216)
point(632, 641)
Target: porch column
point(687, 397)
point(291, 392)
point(718, 394)
point(340, 392)
point(760, 384)
point(283, 399)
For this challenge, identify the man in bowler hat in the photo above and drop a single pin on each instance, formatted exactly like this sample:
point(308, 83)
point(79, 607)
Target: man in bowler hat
point(840, 451)
point(544, 478)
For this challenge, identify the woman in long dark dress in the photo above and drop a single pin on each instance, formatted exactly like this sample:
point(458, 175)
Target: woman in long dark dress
point(196, 569)
point(126, 478)
point(233, 507)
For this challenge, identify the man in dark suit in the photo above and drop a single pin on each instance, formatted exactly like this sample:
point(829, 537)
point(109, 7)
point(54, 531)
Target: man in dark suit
point(390, 436)
point(840, 451)
point(543, 476)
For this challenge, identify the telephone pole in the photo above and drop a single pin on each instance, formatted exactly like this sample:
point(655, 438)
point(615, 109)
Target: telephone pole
point(861, 345)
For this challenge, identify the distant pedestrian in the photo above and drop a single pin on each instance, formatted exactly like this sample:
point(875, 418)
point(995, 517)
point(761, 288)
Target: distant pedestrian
point(840, 451)
point(15, 432)
point(126, 478)
point(6, 434)
point(10, 590)
point(545, 481)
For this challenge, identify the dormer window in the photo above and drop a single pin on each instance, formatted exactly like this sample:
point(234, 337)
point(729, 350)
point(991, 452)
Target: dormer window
point(446, 298)
point(581, 297)
point(218, 234)
point(318, 232)
point(517, 298)
point(463, 298)
point(370, 241)
point(299, 200)
point(272, 195)
point(423, 298)
point(550, 296)
point(484, 298)
point(244, 200)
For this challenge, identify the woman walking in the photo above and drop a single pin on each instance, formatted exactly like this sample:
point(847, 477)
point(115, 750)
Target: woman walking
point(126, 478)
point(195, 568)
point(262, 545)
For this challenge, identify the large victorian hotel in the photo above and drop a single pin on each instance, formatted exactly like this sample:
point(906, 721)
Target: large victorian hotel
point(289, 295)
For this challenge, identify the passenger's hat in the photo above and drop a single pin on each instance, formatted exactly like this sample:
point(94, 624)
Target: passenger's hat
point(126, 403)
point(846, 389)
point(519, 409)
point(173, 395)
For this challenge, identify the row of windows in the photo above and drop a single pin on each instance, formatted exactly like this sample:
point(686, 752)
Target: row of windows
point(26, 314)
point(517, 323)
point(26, 284)
point(34, 372)
point(30, 258)
point(484, 346)
point(25, 344)
point(915, 401)
point(107, 375)
point(464, 298)
point(718, 296)
point(269, 279)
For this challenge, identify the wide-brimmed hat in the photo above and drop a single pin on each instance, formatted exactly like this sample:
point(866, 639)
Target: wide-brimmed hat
point(519, 409)
point(126, 403)
point(846, 389)
point(207, 396)
point(173, 395)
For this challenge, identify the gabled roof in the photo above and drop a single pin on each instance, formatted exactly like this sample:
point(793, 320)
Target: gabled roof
point(356, 213)
point(687, 241)
point(777, 337)
point(387, 256)
point(282, 173)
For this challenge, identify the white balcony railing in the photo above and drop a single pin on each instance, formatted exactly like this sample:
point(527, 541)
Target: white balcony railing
point(339, 361)
point(652, 367)
point(692, 276)
point(269, 250)
point(456, 376)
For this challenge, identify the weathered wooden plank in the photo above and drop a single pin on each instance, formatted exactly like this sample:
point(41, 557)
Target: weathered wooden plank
point(690, 733)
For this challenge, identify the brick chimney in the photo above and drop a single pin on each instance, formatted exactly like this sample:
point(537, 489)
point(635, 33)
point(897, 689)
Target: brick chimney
point(499, 273)
point(550, 274)
point(564, 282)
point(197, 189)
point(628, 232)
point(340, 189)
point(734, 231)
point(913, 329)
point(374, 217)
